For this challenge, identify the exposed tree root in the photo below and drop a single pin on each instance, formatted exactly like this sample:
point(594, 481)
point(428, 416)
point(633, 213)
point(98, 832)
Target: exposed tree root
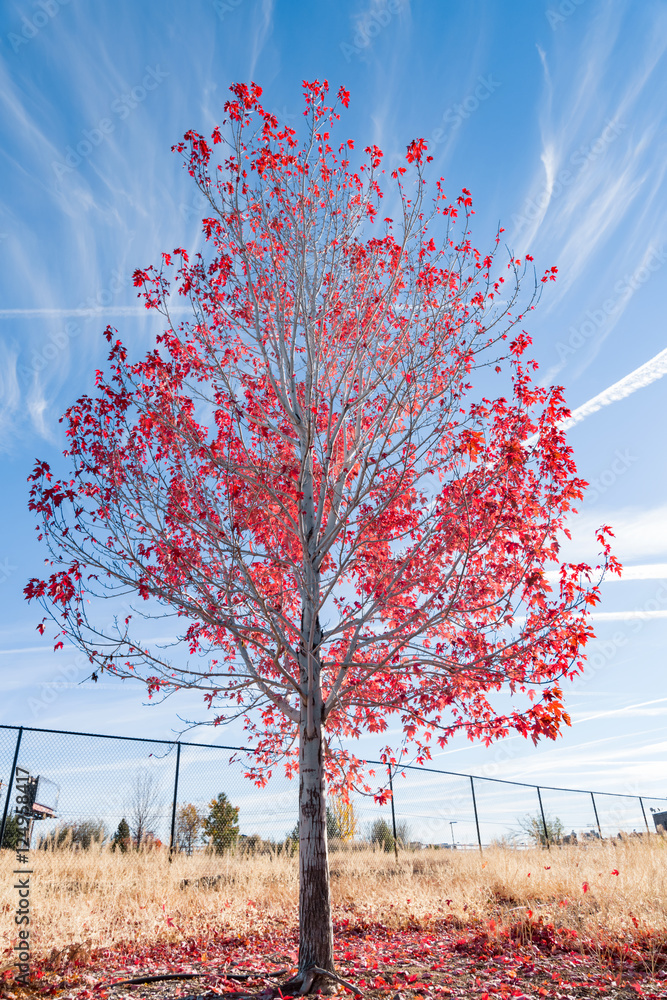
point(304, 981)
point(332, 975)
point(140, 980)
point(238, 976)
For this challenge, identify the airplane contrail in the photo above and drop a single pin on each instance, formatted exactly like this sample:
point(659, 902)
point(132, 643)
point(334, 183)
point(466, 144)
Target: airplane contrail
point(83, 311)
point(647, 571)
point(626, 616)
point(637, 379)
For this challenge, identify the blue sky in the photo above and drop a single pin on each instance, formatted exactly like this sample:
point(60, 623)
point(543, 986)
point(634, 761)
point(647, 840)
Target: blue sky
point(552, 113)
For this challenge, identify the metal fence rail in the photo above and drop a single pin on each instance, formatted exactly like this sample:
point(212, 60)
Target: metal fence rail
point(103, 779)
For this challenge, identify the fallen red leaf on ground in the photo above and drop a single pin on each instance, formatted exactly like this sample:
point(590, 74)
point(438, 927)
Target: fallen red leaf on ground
point(525, 960)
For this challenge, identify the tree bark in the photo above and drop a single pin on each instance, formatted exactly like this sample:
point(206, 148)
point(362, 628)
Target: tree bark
point(315, 923)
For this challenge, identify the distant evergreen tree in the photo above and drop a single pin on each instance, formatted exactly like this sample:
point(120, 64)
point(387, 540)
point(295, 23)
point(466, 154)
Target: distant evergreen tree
point(381, 834)
point(222, 824)
point(333, 826)
point(121, 838)
point(12, 836)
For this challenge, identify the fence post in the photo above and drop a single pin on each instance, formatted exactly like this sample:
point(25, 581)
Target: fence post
point(474, 805)
point(10, 785)
point(173, 806)
point(641, 803)
point(595, 810)
point(544, 821)
point(393, 812)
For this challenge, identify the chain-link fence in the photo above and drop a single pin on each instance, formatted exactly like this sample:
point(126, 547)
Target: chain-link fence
point(89, 783)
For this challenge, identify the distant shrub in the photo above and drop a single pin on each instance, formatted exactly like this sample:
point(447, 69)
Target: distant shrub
point(80, 836)
point(534, 827)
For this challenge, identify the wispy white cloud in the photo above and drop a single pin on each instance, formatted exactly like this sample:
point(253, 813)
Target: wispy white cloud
point(37, 405)
point(640, 533)
point(10, 394)
point(565, 113)
point(261, 33)
point(597, 152)
point(606, 760)
point(540, 192)
point(449, 128)
point(610, 762)
point(110, 207)
point(593, 212)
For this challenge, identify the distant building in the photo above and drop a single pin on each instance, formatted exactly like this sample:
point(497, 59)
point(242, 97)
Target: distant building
point(660, 820)
point(591, 835)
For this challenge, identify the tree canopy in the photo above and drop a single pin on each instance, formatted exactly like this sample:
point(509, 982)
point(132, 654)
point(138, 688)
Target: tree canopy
point(339, 474)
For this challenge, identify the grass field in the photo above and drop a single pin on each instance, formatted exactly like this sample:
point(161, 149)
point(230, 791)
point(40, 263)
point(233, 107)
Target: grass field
point(97, 899)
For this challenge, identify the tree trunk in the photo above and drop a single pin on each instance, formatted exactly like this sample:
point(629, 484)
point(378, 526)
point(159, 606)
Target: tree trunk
point(315, 924)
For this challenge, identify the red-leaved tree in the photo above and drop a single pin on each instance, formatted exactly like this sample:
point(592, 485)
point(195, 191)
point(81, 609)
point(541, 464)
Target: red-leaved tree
point(316, 474)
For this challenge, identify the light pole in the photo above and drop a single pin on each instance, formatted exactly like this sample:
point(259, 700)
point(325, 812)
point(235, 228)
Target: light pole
point(451, 827)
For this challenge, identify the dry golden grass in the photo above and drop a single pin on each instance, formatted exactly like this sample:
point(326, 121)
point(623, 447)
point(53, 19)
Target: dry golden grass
point(100, 899)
